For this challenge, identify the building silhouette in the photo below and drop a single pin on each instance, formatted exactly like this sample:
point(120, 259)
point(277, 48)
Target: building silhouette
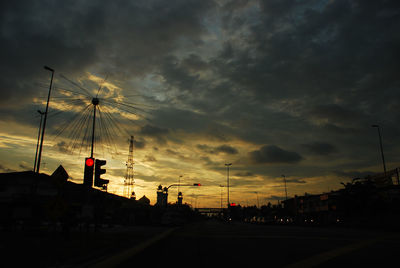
point(180, 198)
point(162, 196)
point(32, 199)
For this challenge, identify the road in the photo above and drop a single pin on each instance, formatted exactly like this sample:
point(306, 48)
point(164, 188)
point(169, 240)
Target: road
point(79, 248)
point(215, 243)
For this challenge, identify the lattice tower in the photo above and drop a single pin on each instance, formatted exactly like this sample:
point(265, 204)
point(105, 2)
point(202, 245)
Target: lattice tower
point(128, 183)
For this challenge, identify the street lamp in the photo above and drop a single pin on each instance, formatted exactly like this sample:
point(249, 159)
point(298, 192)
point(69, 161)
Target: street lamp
point(380, 143)
point(37, 145)
point(227, 175)
point(45, 118)
point(221, 186)
point(284, 180)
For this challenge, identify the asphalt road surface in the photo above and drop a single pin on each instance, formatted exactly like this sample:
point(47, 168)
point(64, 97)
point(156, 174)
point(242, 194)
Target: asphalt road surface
point(213, 243)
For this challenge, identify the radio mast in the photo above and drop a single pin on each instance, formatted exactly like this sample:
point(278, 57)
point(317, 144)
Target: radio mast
point(128, 183)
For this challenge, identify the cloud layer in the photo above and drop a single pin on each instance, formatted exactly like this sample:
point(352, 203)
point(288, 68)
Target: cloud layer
point(275, 87)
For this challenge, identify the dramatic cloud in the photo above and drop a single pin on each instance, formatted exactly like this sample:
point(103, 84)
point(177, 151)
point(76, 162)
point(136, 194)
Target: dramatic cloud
point(119, 37)
point(203, 83)
point(244, 174)
point(320, 148)
point(216, 150)
point(62, 146)
point(295, 181)
point(139, 144)
point(269, 154)
point(150, 158)
point(155, 132)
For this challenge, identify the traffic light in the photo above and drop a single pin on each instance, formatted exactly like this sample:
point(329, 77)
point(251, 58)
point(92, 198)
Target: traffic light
point(88, 172)
point(196, 184)
point(98, 171)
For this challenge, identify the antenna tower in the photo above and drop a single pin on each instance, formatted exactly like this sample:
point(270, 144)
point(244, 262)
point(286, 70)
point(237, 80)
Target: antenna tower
point(128, 183)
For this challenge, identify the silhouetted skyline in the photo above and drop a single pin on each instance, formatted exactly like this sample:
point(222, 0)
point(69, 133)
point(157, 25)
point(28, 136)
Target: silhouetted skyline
point(273, 87)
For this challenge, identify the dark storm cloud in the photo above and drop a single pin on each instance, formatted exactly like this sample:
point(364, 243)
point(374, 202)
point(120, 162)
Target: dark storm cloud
point(139, 144)
point(177, 74)
point(62, 147)
point(281, 70)
point(208, 162)
point(227, 149)
point(152, 131)
point(269, 154)
point(337, 116)
point(38, 33)
point(319, 51)
point(274, 71)
point(119, 37)
point(320, 148)
point(295, 181)
point(188, 121)
point(328, 67)
point(244, 174)
point(160, 134)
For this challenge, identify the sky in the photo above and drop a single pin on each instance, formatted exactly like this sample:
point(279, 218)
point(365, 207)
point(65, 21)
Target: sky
point(278, 88)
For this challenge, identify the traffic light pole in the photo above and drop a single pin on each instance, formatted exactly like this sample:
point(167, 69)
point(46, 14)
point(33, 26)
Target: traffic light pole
point(173, 185)
point(193, 184)
point(227, 181)
point(94, 124)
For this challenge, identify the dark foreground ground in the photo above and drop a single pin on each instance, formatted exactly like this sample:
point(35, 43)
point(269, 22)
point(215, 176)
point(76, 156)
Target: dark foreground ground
point(203, 244)
point(212, 244)
point(54, 248)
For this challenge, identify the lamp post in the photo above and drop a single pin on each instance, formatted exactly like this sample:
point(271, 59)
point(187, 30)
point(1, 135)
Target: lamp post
point(380, 143)
point(221, 186)
point(284, 180)
point(227, 176)
point(38, 139)
point(45, 118)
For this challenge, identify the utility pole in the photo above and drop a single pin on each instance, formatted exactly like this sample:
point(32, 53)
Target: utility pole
point(45, 118)
point(221, 186)
point(227, 176)
point(380, 143)
point(38, 141)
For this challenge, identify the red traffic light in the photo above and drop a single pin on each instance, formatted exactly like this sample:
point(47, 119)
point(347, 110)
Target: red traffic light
point(196, 184)
point(89, 162)
point(88, 172)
